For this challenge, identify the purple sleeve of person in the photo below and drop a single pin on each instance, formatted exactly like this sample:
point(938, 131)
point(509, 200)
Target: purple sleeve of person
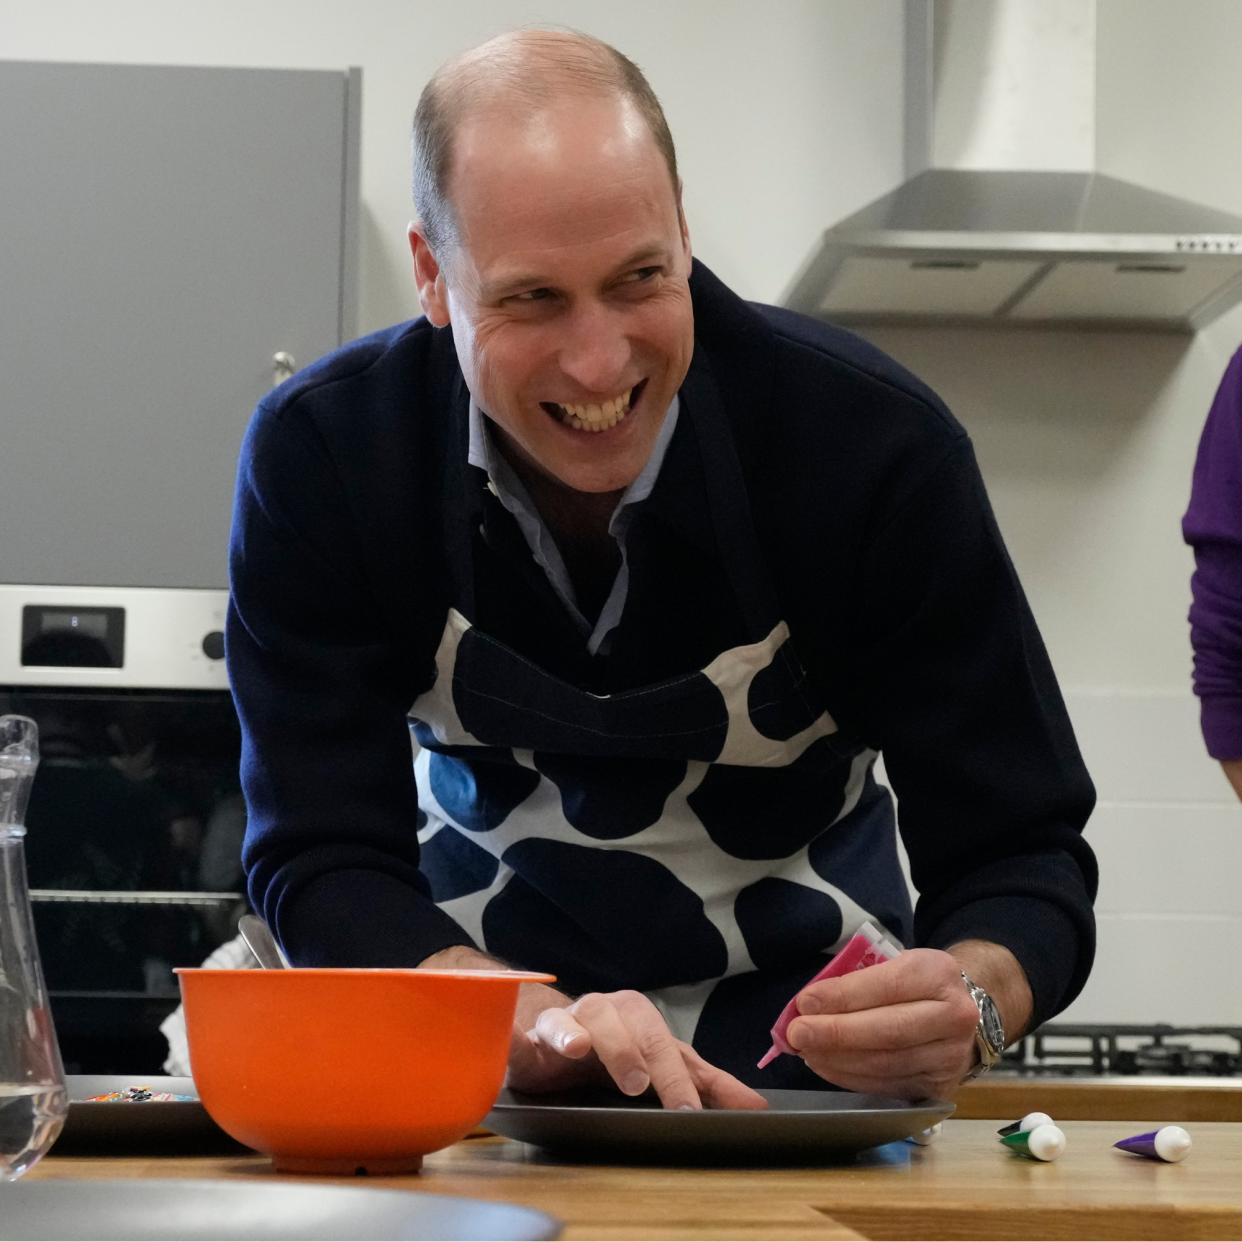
point(1213, 527)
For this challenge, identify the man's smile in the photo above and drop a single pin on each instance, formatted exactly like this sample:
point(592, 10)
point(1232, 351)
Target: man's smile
point(596, 417)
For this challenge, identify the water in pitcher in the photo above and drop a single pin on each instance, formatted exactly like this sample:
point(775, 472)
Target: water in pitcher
point(30, 1120)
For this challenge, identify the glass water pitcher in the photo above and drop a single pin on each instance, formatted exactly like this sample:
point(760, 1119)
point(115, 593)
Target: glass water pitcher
point(33, 1101)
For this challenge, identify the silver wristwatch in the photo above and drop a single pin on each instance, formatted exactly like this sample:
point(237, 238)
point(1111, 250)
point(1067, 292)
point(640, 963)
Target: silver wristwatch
point(989, 1034)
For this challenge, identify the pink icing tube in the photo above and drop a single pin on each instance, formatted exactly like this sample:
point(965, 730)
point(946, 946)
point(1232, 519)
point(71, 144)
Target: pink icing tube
point(867, 947)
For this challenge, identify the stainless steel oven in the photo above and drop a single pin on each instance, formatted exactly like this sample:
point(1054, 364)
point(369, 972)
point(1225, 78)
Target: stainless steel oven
point(136, 819)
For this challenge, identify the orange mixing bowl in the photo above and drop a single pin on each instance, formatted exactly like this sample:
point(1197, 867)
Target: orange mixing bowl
point(336, 1071)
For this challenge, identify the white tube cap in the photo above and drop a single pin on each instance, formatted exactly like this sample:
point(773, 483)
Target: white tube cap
point(1172, 1144)
point(1046, 1143)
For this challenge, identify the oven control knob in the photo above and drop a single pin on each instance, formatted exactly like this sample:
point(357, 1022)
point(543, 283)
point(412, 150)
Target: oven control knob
point(213, 645)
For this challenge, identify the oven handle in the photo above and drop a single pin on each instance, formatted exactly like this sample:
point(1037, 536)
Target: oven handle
point(124, 897)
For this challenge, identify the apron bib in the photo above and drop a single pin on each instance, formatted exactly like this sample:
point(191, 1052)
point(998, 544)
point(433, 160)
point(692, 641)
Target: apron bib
point(705, 840)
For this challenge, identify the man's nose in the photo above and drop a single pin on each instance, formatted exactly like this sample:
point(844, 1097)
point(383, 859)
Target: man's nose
point(596, 351)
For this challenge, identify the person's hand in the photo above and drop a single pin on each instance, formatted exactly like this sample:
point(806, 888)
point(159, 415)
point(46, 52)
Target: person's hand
point(904, 1028)
point(602, 1039)
point(615, 1037)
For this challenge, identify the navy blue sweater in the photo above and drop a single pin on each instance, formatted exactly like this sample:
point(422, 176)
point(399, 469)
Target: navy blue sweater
point(881, 547)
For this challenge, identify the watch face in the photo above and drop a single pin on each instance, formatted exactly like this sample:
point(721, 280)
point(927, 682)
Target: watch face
point(993, 1028)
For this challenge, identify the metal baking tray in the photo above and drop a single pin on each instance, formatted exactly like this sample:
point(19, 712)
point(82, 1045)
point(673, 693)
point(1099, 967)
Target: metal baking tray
point(182, 1210)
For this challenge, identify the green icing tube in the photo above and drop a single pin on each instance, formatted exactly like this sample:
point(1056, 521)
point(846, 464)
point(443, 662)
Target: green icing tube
point(1042, 1143)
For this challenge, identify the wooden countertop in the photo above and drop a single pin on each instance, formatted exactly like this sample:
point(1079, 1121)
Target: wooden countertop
point(1166, 1100)
point(965, 1186)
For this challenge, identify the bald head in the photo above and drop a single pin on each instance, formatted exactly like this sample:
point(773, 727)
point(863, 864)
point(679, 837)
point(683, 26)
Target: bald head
point(516, 76)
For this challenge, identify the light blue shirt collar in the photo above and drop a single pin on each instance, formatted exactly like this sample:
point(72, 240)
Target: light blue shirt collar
point(509, 490)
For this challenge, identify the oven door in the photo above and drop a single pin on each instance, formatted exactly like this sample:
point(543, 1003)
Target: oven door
point(133, 851)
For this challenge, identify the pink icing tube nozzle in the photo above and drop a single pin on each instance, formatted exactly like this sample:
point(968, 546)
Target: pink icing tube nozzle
point(775, 1051)
point(867, 947)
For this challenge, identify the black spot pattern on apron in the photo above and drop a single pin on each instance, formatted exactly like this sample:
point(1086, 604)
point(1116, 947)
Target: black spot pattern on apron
point(780, 919)
point(752, 812)
point(479, 796)
point(608, 799)
point(667, 937)
point(779, 700)
point(455, 866)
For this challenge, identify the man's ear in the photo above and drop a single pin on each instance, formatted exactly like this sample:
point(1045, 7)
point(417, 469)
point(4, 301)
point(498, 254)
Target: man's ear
point(432, 291)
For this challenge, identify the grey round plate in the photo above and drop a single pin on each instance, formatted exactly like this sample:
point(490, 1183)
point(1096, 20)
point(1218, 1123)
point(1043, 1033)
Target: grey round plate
point(156, 1128)
point(226, 1210)
point(798, 1126)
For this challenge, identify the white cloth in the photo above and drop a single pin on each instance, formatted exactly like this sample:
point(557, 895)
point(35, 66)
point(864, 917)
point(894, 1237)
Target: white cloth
point(509, 490)
point(231, 955)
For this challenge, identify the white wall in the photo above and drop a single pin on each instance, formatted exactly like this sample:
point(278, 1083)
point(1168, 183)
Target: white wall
point(1087, 442)
point(787, 114)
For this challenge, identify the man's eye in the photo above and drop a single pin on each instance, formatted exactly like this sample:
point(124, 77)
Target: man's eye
point(645, 273)
point(534, 295)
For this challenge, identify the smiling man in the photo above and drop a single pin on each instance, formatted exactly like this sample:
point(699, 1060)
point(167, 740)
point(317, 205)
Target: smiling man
point(652, 575)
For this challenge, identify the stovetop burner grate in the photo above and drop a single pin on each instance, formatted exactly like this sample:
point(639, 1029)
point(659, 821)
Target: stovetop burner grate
point(1069, 1049)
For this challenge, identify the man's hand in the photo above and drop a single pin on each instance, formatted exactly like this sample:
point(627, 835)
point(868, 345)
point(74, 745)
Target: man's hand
point(619, 1037)
point(603, 1038)
point(906, 1028)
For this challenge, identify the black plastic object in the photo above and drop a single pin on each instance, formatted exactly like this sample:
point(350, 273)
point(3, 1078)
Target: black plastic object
point(153, 1128)
point(799, 1127)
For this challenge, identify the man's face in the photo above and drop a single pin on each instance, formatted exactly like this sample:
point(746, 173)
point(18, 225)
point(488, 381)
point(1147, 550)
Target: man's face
point(568, 289)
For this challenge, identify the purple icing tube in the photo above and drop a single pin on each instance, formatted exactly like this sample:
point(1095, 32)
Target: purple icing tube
point(1169, 1143)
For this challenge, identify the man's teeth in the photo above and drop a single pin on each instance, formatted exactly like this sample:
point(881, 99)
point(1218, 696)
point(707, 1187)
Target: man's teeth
point(597, 417)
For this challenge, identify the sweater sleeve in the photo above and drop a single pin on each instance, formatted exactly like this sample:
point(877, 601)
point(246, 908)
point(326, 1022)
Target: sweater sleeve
point(322, 688)
point(962, 700)
point(1213, 527)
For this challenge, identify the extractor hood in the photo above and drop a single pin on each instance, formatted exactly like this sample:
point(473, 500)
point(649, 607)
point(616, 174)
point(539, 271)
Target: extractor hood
point(997, 94)
point(1026, 248)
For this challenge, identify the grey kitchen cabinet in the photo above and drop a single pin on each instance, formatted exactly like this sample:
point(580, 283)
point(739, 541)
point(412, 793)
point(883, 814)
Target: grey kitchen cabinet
point(164, 233)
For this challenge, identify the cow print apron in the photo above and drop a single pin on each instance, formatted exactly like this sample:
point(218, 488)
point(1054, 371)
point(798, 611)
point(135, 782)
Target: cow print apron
point(706, 840)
